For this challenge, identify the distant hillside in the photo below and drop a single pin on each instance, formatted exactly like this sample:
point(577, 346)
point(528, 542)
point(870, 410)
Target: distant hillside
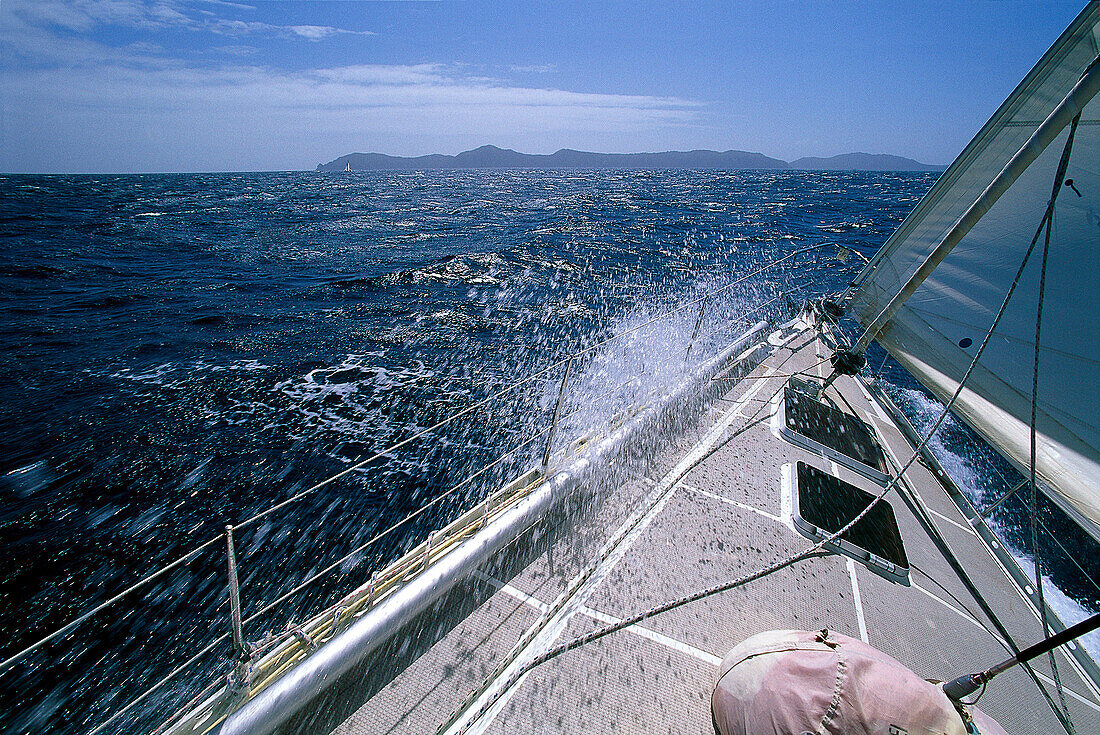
point(489, 156)
point(862, 162)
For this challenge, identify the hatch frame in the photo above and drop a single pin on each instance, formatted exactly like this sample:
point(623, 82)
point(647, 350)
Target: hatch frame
point(799, 439)
point(873, 562)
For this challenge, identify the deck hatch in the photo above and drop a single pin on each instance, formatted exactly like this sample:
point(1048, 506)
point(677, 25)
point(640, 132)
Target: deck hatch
point(824, 504)
point(841, 437)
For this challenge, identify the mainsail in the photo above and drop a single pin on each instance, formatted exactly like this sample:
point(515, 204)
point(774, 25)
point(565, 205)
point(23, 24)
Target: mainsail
point(937, 330)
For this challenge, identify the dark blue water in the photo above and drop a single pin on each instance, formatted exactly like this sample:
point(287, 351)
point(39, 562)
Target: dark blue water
point(183, 351)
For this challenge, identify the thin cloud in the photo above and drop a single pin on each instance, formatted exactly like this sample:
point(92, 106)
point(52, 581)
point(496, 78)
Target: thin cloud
point(226, 4)
point(234, 50)
point(308, 32)
point(84, 16)
point(109, 111)
point(75, 103)
point(319, 33)
point(534, 69)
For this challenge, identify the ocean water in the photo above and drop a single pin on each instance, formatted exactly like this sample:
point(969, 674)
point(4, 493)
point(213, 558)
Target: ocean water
point(182, 352)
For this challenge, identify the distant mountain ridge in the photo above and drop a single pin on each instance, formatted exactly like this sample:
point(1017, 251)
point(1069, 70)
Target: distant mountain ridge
point(489, 156)
point(862, 162)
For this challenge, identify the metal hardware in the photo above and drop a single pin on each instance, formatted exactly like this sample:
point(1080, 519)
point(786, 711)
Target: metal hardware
point(698, 323)
point(969, 683)
point(234, 595)
point(428, 548)
point(372, 590)
point(271, 708)
point(557, 413)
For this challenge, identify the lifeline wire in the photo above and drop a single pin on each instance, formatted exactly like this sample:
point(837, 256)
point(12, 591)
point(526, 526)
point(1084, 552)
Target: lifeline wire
point(764, 571)
point(4, 666)
point(528, 636)
point(69, 627)
point(268, 607)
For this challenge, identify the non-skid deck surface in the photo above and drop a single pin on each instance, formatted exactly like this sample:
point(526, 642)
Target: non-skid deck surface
point(711, 509)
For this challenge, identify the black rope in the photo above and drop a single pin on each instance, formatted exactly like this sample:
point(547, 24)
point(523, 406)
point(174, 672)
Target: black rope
point(812, 551)
point(807, 553)
point(1048, 225)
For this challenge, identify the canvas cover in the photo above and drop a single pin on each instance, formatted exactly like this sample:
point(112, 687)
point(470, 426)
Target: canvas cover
point(790, 682)
point(936, 332)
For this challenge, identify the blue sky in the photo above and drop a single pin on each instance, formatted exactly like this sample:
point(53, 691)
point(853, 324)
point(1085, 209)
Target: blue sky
point(209, 85)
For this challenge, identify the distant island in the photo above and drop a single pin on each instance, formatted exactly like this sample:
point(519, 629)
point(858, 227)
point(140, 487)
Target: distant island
point(490, 156)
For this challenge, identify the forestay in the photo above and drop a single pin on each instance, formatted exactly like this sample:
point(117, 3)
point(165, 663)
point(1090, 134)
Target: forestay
point(936, 332)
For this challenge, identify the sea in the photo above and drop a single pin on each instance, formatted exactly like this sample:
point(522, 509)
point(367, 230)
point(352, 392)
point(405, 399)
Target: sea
point(183, 352)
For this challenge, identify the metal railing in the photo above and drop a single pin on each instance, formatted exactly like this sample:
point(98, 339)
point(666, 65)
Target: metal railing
point(436, 543)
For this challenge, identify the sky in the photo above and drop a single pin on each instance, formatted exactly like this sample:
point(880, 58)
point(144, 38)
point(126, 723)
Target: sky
point(212, 85)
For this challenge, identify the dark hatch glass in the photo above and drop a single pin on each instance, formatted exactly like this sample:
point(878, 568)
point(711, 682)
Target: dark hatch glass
point(833, 428)
point(830, 504)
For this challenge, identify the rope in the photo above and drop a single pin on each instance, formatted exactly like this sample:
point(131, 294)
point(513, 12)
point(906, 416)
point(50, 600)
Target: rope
point(209, 647)
point(916, 505)
point(327, 570)
point(394, 447)
point(566, 595)
point(556, 606)
point(68, 628)
point(1048, 224)
point(790, 560)
point(508, 389)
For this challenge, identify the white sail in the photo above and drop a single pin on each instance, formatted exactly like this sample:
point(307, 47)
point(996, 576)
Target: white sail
point(936, 332)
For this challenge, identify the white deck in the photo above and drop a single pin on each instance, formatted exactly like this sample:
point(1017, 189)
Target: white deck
point(727, 516)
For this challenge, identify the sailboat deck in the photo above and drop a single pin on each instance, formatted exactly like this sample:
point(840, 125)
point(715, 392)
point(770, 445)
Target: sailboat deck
point(727, 516)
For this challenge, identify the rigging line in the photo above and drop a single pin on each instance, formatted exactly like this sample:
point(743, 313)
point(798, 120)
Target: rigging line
point(6, 664)
point(1053, 537)
point(961, 604)
point(187, 707)
point(704, 297)
point(1048, 222)
point(513, 386)
point(564, 597)
point(393, 448)
point(936, 536)
point(883, 365)
point(69, 627)
point(283, 598)
point(996, 503)
point(209, 647)
point(743, 317)
point(977, 596)
point(398, 445)
point(891, 485)
point(665, 607)
point(1070, 556)
point(274, 603)
point(800, 374)
point(989, 509)
point(327, 570)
